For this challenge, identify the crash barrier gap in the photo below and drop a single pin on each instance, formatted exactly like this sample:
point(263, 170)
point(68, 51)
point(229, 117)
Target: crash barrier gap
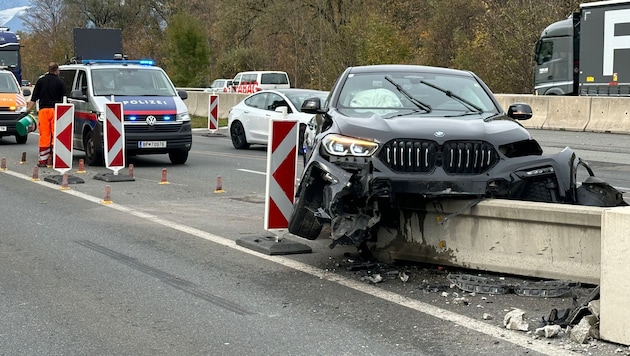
point(544, 240)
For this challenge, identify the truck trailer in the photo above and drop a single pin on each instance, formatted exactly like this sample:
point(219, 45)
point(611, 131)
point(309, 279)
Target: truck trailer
point(587, 53)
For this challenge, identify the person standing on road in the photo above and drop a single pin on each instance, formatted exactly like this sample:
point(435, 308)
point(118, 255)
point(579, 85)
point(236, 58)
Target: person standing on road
point(49, 90)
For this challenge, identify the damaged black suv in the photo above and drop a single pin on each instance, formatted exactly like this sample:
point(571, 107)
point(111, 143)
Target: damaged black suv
point(393, 136)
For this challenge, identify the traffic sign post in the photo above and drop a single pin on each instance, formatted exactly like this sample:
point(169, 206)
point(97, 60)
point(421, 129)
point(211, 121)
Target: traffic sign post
point(62, 146)
point(213, 113)
point(114, 143)
point(280, 189)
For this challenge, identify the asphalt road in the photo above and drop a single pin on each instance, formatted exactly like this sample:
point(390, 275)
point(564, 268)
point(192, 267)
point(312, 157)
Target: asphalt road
point(158, 272)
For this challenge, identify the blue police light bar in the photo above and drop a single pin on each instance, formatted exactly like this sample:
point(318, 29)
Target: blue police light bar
point(146, 62)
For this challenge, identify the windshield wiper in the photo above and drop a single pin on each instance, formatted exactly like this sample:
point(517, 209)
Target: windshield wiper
point(450, 94)
point(415, 101)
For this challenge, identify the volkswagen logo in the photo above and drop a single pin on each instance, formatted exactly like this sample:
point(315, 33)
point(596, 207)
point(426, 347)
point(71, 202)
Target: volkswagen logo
point(151, 120)
point(436, 133)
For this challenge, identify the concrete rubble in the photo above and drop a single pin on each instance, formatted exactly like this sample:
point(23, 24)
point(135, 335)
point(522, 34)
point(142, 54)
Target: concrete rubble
point(515, 320)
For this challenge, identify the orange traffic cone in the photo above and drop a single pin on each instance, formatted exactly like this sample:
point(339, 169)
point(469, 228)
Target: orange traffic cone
point(219, 188)
point(35, 176)
point(81, 168)
point(64, 182)
point(164, 180)
point(108, 195)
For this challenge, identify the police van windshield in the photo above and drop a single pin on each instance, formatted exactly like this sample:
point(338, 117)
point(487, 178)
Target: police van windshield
point(131, 82)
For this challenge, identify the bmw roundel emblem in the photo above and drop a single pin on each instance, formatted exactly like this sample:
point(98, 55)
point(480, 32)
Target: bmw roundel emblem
point(438, 134)
point(151, 120)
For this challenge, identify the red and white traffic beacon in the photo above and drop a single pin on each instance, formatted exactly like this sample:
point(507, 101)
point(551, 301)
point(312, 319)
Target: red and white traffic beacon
point(62, 146)
point(282, 154)
point(114, 143)
point(213, 113)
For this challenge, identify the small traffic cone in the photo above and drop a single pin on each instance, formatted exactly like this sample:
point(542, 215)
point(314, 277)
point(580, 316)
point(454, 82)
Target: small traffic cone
point(23, 158)
point(35, 176)
point(81, 168)
point(219, 188)
point(3, 164)
point(131, 170)
point(64, 182)
point(164, 180)
point(108, 195)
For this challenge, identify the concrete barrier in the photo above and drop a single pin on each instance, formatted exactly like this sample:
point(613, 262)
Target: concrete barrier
point(569, 113)
point(554, 241)
point(197, 103)
point(615, 269)
point(609, 115)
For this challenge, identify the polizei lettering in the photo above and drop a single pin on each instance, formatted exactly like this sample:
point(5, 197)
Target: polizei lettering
point(144, 102)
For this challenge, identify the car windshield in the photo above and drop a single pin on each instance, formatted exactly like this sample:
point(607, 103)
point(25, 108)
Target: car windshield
point(131, 82)
point(407, 93)
point(297, 98)
point(8, 84)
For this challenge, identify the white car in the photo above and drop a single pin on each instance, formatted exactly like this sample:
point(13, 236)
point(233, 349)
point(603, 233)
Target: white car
point(248, 121)
point(219, 86)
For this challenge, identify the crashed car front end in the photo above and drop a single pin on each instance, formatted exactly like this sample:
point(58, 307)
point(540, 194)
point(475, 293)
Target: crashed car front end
point(366, 164)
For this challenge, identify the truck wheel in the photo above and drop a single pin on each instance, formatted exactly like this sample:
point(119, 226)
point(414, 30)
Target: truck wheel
point(178, 157)
point(237, 133)
point(303, 222)
point(21, 139)
point(92, 156)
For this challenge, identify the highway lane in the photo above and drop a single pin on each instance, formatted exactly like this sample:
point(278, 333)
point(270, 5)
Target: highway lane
point(192, 210)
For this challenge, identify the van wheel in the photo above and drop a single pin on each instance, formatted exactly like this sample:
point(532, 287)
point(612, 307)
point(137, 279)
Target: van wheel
point(237, 133)
point(21, 139)
point(178, 157)
point(92, 156)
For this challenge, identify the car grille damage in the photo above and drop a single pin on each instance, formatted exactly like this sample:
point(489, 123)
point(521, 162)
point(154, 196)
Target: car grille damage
point(423, 156)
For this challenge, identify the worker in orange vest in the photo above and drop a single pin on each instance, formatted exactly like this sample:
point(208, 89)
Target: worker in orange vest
point(49, 90)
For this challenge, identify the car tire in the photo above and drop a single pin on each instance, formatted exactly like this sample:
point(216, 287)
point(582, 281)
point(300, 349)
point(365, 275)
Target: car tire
point(92, 156)
point(21, 139)
point(303, 222)
point(178, 157)
point(237, 133)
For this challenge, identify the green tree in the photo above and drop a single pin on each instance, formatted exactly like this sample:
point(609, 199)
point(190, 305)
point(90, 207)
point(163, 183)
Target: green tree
point(187, 51)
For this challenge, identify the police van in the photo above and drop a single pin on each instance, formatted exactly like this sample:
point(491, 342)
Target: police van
point(156, 120)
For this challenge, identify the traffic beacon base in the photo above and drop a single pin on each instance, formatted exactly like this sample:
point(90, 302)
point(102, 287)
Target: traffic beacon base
point(273, 245)
point(58, 179)
point(112, 177)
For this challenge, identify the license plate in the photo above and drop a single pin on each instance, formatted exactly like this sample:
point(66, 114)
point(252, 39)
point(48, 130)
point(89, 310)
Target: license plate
point(152, 144)
point(3, 128)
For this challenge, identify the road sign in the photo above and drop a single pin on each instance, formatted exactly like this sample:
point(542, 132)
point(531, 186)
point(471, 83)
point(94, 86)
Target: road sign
point(62, 146)
point(281, 173)
point(114, 137)
point(213, 112)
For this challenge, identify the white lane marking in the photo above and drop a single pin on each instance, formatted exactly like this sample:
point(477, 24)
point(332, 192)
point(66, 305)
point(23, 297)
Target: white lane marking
point(522, 340)
point(250, 171)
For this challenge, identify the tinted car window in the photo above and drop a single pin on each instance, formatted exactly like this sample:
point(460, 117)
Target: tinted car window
point(257, 101)
point(274, 78)
point(68, 79)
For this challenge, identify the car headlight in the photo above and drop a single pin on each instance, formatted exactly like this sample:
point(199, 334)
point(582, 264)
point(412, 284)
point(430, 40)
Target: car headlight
point(338, 145)
point(183, 117)
point(19, 109)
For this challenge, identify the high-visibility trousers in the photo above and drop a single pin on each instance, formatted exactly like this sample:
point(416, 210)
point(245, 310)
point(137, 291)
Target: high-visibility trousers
point(46, 127)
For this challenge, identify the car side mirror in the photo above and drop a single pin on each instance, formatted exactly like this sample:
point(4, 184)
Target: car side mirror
point(26, 92)
point(182, 94)
point(520, 111)
point(311, 106)
point(78, 94)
